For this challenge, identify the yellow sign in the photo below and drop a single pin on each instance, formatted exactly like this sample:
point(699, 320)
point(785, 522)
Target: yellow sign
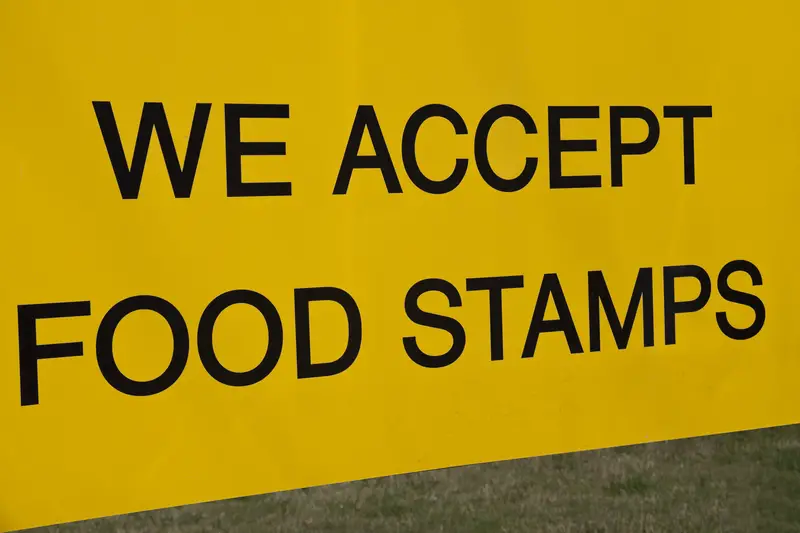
point(254, 246)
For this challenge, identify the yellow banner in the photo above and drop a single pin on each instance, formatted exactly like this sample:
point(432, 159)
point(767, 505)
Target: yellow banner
point(254, 246)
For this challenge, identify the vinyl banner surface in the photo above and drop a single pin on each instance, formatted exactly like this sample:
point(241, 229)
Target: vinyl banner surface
point(254, 246)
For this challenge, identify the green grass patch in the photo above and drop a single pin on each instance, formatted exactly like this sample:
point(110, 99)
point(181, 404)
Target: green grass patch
point(741, 483)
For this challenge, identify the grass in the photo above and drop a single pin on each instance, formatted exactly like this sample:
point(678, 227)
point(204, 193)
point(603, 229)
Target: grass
point(744, 482)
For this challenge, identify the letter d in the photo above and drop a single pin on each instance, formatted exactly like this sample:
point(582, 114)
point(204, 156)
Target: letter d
point(302, 299)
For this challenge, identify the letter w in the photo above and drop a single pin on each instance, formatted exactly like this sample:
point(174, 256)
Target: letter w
point(129, 178)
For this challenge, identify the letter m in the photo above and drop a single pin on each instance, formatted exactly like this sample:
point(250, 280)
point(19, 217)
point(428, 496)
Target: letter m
point(642, 296)
point(129, 178)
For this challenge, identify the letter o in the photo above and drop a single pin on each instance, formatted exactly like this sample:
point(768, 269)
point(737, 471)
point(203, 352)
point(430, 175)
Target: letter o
point(205, 338)
point(105, 342)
